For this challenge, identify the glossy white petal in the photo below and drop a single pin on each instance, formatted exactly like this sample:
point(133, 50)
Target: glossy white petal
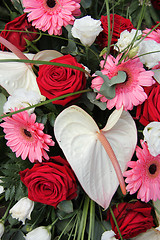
point(47, 55)
point(15, 75)
point(151, 234)
point(76, 133)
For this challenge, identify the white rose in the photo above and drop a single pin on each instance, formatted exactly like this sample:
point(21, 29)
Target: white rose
point(108, 235)
point(152, 136)
point(1, 229)
point(151, 59)
point(21, 98)
point(86, 29)
point(126, 38)
point(1, 187)
point(22, 209)
point(40, 233)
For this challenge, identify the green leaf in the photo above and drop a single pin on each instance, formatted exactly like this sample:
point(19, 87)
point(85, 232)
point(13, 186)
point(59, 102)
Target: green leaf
point(51, 118)
point(7, 194)
point(66, 206)
point(108, 87)
point(2, 102)
point(18, 5)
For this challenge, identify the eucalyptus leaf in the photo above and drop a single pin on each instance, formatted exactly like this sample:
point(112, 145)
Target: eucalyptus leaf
point(66, 206)
point(71, 48)
point(108, 87)
point(86, 3)
point(92, 97)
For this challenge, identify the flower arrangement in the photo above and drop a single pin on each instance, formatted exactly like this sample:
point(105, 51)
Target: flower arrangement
point(79, 120)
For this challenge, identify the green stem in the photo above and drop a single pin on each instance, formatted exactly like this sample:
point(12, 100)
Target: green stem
point(45, 102)
point(115, 221)
point(92, 220)
point(82, 226)
point(6, 212)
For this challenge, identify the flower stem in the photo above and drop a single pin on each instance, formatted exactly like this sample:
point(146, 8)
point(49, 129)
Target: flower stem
point(14, 49)
point(44, 102)
point(115, 221)
point(113, 159)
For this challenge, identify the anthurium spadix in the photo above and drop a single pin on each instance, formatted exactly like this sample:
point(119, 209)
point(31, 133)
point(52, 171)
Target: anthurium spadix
point(92, 152)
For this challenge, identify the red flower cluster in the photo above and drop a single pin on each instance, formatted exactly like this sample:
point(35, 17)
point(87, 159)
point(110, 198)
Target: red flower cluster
point(50, 182)
point(18, 38)
point(149, 111)
point(55, 81)
point(118, 23)
point(132, 219)
point(156, 4)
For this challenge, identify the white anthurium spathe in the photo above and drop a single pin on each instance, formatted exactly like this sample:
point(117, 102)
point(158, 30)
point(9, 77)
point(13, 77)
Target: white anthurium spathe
point(81, 141)
point(150, 234)
point(15, 75)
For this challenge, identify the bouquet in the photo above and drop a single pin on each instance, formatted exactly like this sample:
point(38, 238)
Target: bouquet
point(80, 119)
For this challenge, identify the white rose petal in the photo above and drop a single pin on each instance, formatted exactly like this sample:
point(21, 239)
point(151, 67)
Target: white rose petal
point(21, 98)
point(152, 136)
point(150, 59)
point(22, 209)
point(126, 38)
point(86, 29)
point(108, 235)
point(40, 233)
point(1, 229)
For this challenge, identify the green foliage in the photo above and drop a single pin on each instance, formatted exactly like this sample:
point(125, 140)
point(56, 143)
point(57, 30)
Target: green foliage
point(2, 102)
point(15, 189)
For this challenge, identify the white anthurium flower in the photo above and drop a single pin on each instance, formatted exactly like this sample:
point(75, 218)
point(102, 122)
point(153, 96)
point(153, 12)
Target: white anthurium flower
point(1, 229)
point(21, 98)
point(39, 233)
point(152, 136)
point(151, 234)
point(86, 29)
point(81, 141)
point(108, 235)
point(22, 209)
point(20, 75)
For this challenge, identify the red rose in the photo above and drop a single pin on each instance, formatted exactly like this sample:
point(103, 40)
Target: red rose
point(156, 4)
point(54, 81)
point(132, 219)
point(18, 38)
point(149, 111)
point(120, 24)
point(50, 182)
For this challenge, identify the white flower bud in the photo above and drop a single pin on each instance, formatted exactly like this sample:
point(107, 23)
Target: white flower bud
point(108, 235)
point(1, 229)
point(39, 233)
point(22, 209)
point(86, 29)
point(152, 136)
point(1, 187)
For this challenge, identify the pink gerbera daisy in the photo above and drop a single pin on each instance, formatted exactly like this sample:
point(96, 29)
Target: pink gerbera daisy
point(130, 93)
point(144, 176)
point(26, 137)
point(51, 15)
point(154, 35)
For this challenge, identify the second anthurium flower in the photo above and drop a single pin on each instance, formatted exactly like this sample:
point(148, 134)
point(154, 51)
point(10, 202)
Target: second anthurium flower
point(83, 144)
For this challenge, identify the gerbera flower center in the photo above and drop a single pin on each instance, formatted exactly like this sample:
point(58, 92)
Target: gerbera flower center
point(27, 133)
point(51, 3)
point(152, 169)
